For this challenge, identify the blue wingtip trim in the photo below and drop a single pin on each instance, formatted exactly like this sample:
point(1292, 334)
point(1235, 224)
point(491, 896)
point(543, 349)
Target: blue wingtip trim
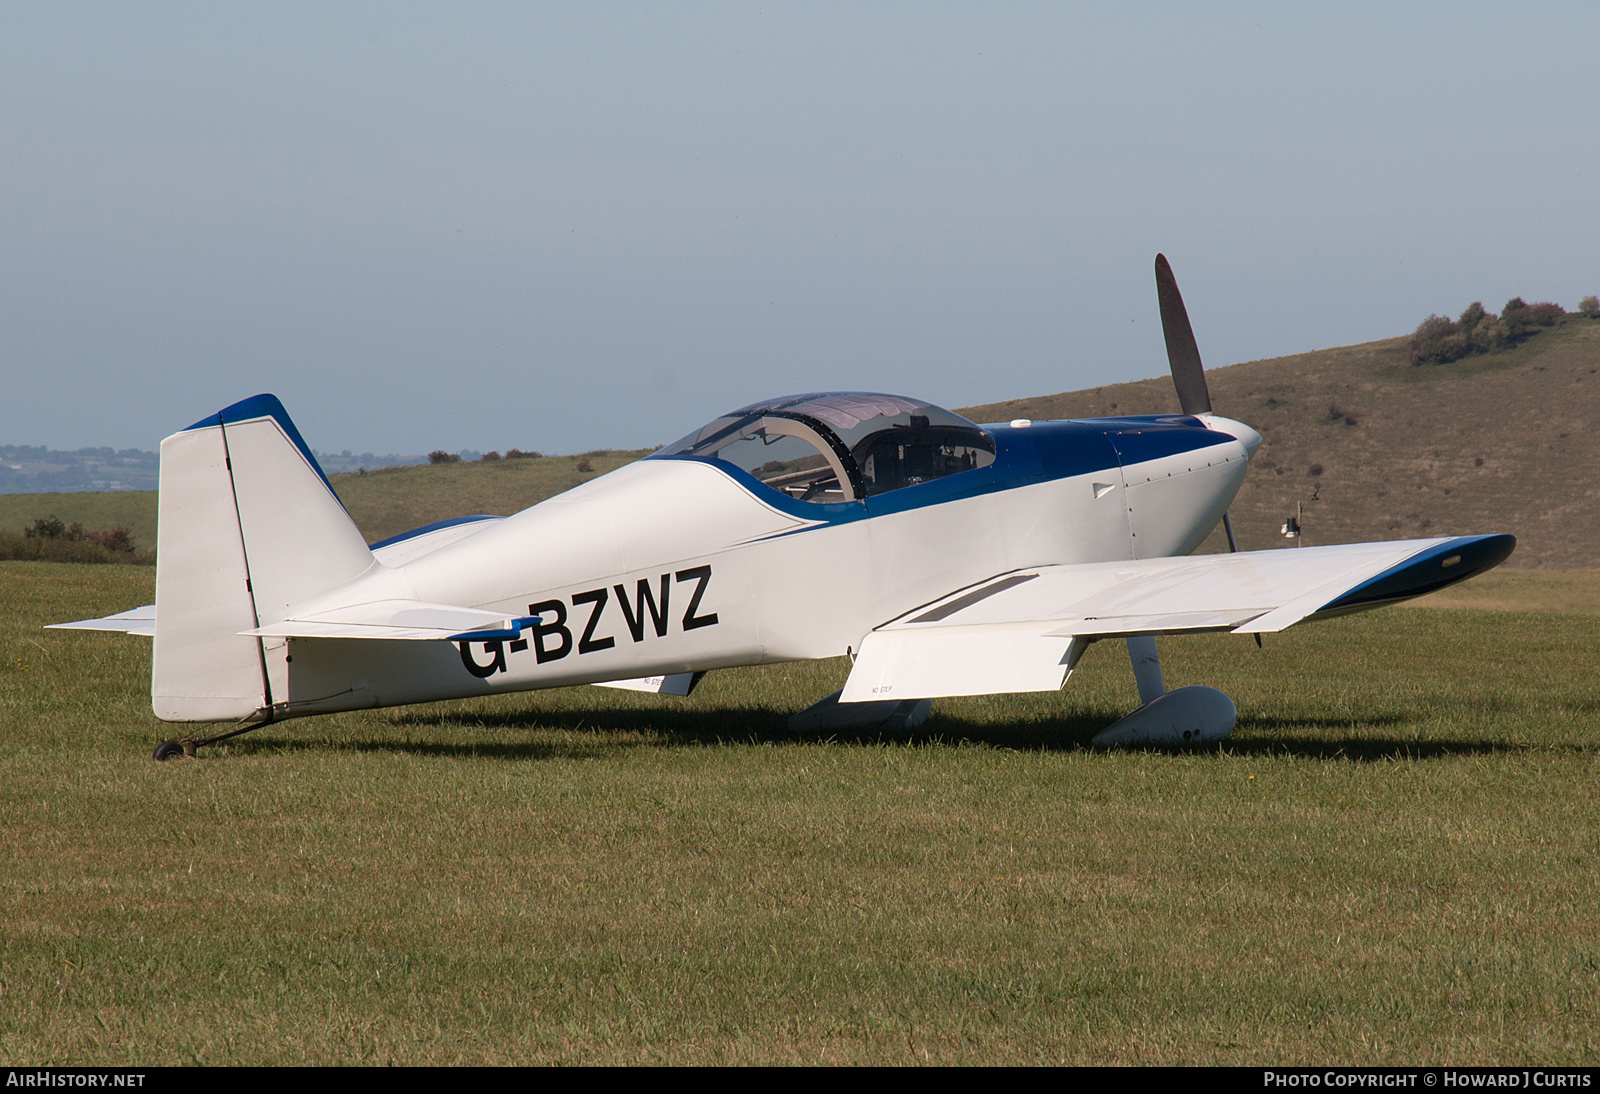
point(266, 406)
point(1428, 571)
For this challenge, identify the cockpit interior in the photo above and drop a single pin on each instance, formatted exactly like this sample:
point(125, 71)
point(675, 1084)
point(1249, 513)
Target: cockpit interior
point(841, 446)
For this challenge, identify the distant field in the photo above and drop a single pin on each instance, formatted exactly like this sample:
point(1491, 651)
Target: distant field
point(382, 503)
point(1571, 592)
point(1391, 861)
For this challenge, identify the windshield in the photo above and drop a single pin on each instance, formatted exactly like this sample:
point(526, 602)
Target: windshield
point(841, 446)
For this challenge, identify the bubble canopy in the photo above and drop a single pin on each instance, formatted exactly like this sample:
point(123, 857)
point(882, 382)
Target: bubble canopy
point(840, 446)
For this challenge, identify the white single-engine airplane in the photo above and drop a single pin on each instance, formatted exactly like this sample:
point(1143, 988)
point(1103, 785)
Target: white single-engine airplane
point(945, 557)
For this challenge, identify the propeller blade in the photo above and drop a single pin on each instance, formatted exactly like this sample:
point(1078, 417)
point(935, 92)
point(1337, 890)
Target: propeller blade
point(1183, 353)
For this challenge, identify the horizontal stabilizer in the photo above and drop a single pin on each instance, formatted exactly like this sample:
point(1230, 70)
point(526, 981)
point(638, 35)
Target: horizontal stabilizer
point(400, 620)
point(133, 621)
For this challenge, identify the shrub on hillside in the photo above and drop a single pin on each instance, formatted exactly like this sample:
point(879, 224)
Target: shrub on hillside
point(519, 454)
point(49, 539)
point(1438, 340)
point(20, 548)
point(1589, 307)
point(51, 528)
point(46, 528)
point(440, 456)
point(1520, 318)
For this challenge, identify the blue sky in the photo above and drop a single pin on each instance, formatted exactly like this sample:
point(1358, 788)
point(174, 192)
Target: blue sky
point(574, 226)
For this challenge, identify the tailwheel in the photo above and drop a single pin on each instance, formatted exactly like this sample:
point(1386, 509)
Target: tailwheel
point(190, 746)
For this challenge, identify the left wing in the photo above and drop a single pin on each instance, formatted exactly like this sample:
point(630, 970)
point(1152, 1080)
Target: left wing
point(1024, 630)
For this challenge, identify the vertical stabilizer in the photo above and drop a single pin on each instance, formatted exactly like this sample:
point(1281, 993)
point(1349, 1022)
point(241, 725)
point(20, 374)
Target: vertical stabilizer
point(247, 524)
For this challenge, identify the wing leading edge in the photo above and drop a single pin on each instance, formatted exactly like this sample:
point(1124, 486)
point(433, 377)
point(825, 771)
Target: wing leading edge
point(1023, 631)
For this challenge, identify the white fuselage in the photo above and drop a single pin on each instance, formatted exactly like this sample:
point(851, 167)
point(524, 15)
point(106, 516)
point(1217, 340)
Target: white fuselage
point(674, 565)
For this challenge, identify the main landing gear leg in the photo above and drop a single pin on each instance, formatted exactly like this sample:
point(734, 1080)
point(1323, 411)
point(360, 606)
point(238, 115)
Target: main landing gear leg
point(1188, 715)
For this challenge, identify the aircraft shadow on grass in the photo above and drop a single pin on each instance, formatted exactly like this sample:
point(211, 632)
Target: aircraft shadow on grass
point(595, 732)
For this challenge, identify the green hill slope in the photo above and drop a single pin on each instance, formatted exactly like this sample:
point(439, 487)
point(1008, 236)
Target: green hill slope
point(386, 503)
point(1504, 443)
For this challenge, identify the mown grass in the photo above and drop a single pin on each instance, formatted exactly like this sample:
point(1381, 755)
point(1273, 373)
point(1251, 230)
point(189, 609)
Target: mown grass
point(1392, 860)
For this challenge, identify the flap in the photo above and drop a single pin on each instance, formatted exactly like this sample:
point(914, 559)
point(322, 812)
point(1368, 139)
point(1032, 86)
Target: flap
point(911, 665)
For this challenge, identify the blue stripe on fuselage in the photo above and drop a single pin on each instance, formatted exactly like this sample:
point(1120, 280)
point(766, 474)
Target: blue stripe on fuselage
point(434, 527)
point(1041, 452)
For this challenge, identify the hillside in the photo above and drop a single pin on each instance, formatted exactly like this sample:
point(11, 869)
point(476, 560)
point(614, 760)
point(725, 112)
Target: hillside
point(1390, 450)
point(1504, 443)
point(386, 503)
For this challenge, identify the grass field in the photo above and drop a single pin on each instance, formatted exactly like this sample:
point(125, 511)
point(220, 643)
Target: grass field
point(1393, 860)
